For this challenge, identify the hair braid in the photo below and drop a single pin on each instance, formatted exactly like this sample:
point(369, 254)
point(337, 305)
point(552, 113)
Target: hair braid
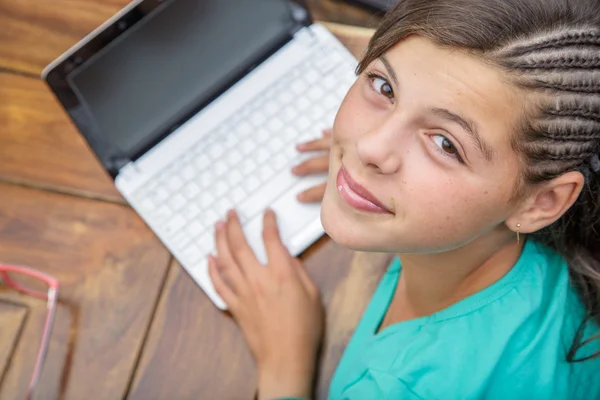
point(555, 40)
point(563, 59)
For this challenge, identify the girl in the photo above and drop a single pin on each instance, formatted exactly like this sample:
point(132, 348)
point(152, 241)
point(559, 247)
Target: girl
point(469, 145)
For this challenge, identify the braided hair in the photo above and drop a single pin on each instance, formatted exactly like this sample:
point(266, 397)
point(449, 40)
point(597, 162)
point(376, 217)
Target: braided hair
point(552, 48)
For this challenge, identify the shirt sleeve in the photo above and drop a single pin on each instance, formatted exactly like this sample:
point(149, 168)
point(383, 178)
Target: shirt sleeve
point(374, 384)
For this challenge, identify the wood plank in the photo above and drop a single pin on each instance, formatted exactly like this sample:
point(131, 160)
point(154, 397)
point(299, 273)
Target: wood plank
point(343, 12)
point(111, 268)
point(12, 317)
point(36, 32)
point(40, 147)
point(194, 351)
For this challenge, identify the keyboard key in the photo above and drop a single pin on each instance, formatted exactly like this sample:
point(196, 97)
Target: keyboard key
point(276, 144)
point(311, 76)
point(234, 177)
point(285, 97)
point(288, 114)
point(160, 213)
point(222, 206)
point(265, 172)
point(233, 157)
point(210, 218)
point(179, 240)
point(298, 87)
point(261, 155)
point(174, 224)
point(329, 82)
point(247, 166)
point(159, 195)
point(330, 102)
point(190, 211)
point(192, 254)
point(302, 104)
point(174, 183)
point(289, 133)
point(275, 125)
point(205, 200)
point(216, 150)
point(188, 172)
point(270, 108)
point(247, 146)
point(237, 195)
point(201, 162)
point(262, 135)
point(147, 204)
point(315, 93)
point(195, 228)
point(244, 128)
point(176, 202)
point(207, 242)
point(251, 184)
point(279, 161)
point(205, 180)
point(220, 168)
point(220, 189)
point(190, 190)
point(302, 124)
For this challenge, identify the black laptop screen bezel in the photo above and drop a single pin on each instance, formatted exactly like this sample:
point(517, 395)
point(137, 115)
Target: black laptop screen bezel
point(56, 77)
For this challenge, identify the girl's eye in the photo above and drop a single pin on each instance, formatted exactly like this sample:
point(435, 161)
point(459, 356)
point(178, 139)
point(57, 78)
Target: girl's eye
point(446, 147)
point(381, 86)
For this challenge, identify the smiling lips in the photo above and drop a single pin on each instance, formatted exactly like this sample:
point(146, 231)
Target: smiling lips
point(357, 196)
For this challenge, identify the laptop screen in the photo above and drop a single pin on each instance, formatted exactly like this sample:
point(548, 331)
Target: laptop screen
point(162, 68)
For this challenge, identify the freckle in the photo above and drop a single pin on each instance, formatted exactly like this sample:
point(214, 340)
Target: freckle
point(486, 192)
point(447, 217)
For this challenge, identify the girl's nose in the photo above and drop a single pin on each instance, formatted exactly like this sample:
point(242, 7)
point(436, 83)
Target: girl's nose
point(380, 148)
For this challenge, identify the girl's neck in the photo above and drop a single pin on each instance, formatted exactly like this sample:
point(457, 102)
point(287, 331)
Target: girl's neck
point(431, 282)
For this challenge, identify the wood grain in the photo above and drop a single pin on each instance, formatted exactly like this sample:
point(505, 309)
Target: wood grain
point(194, 351)
point(34, 32)
point(40, 147)
point(12, 317)
point(110, 267)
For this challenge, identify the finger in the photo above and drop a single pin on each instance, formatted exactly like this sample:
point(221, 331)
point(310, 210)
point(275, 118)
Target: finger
point(305, 279)
point(327, 132)
point(321, 144)
point(228, 267)
point(228, 296)
point(312, 195)
point(277, 253)
point(314, 165)
point(240, 249)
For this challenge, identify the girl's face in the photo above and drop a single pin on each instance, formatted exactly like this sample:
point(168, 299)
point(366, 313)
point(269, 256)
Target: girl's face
point(421, 158)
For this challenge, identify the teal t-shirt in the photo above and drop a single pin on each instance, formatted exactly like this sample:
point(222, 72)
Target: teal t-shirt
point(508, 341)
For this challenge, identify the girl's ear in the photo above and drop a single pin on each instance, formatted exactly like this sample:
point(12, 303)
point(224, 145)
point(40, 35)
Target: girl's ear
point(547, 203)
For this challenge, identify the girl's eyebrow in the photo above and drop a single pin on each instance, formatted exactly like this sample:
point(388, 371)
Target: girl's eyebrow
point(389, 69)
point(468, 126)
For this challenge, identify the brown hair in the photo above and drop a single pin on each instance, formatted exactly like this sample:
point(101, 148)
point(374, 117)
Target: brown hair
point(551, 47)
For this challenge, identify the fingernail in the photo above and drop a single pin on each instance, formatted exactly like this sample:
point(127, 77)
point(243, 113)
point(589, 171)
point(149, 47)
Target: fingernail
point(219, 225)
point(231, 213)
point(300, 146)
point(301, 196)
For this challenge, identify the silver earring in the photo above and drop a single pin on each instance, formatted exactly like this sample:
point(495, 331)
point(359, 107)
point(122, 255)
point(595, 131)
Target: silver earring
point(518, 238)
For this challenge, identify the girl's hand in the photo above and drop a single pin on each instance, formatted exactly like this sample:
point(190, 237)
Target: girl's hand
point(315, 165)
point(277, 307)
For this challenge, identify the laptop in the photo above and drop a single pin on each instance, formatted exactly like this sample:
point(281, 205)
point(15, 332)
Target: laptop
point(194, 107)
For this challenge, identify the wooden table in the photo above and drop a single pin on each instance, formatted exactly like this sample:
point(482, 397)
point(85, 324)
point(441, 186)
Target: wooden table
point(130, 323)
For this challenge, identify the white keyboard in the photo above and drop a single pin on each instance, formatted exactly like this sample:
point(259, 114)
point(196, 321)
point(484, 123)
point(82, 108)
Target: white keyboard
point(245, 162)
